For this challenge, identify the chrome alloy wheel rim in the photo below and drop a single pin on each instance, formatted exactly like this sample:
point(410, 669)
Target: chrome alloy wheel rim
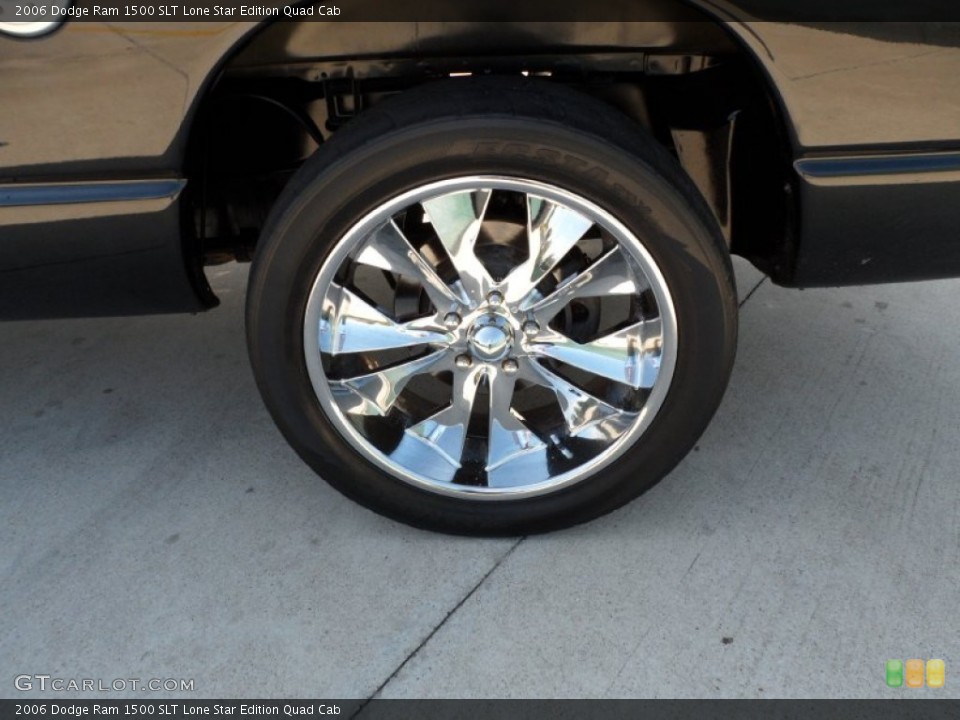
point(490, 338)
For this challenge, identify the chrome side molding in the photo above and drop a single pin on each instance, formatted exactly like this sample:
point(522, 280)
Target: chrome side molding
point(864, 166)
point(20, 195)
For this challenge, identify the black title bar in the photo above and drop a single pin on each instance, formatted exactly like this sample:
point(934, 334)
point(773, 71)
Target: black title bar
point(488, 709)
point(479, 10)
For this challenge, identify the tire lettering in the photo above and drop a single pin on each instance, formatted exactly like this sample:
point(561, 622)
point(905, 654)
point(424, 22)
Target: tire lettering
point(548, 156)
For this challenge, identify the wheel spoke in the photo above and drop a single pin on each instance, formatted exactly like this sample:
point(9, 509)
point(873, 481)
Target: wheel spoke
point(630, 356)
point(586, 416)
point(456, 218)
point(610, 274)
point(552, 231)
point(508, 435)
point(350, 324)
point(446, 431)
point(389, 249)
point(377, 392)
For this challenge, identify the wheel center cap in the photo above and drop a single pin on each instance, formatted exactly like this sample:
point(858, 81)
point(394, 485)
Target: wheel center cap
point(491, 337)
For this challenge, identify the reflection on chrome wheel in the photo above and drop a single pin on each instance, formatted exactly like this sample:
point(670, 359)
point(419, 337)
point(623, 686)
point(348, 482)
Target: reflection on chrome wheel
point(490, 337)
point(492, 307)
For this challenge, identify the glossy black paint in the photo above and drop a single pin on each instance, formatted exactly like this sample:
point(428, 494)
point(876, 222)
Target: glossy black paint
point(900, 216)
point(866, 112)
point(127, 261)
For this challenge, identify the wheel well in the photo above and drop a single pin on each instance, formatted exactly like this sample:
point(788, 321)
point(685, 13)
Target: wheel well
point(685, 81)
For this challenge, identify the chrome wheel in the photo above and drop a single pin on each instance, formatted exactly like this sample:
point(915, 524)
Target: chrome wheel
point(495, 306)
point(490, 337)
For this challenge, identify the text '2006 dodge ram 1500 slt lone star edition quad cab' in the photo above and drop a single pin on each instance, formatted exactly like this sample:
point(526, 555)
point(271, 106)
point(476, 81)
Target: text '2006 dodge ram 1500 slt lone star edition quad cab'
point(491, 289)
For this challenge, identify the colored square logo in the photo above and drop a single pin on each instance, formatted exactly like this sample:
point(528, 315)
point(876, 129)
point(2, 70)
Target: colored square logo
point(894, 673)
point(914, 673)
point(936, 673)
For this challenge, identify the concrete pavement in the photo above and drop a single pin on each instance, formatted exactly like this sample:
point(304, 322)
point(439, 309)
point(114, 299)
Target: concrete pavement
point(154, 524)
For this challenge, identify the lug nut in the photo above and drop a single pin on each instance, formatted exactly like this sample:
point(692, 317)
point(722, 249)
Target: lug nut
point(464, 361)
point(452, 320)
point(530, 328)
point(510, 366)
point(495, 297)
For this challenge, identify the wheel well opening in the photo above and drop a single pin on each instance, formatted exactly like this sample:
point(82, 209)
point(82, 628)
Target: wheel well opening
point(692, 87)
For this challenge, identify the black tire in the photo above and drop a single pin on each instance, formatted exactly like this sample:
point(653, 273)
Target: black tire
point(503, 126)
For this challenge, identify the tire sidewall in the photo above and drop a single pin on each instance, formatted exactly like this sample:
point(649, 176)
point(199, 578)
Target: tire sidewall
point(330, 194)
